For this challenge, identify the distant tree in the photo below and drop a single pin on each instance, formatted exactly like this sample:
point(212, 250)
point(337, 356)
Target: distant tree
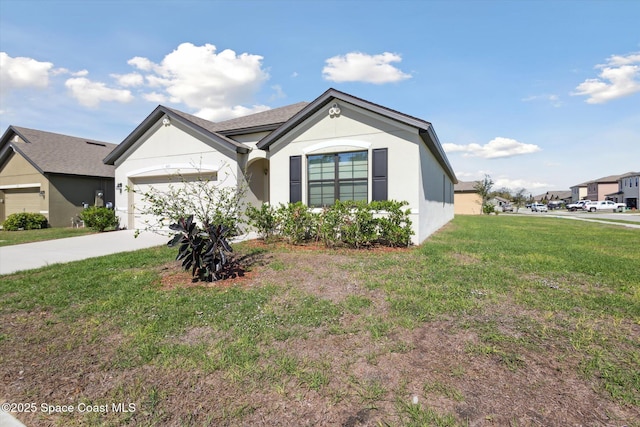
point(503, 192)
point(483, 188)
point(519, 198)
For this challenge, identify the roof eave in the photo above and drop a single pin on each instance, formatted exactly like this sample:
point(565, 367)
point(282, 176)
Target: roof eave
point(5, 152)
point(435, 147)
point(152, 118)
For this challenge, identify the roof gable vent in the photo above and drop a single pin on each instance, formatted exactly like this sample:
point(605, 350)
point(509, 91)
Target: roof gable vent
point(16, 138)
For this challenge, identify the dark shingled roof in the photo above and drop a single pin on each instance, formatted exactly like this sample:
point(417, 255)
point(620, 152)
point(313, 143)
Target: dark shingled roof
point(51, 152)
point(271, 118)
point(465, 186)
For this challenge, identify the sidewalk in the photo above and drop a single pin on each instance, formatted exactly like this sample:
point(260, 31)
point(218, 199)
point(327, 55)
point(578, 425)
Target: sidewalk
point(39, 254)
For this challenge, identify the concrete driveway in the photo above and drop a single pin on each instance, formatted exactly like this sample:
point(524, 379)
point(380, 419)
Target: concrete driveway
point(39, 254)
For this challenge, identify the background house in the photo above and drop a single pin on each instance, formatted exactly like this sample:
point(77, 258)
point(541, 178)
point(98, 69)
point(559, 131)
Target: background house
point(336, 147)
point(628, 190)
point(467, 201)
point(599, 188)
point(52, 174)
point(555, 196)
point(579, 192)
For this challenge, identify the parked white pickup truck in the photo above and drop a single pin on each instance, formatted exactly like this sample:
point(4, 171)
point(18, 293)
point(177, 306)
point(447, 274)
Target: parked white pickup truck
point(602, 205)
point(577, 205)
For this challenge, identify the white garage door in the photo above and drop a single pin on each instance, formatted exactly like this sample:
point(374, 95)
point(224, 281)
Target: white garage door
point(160, 184)
point(22, 200)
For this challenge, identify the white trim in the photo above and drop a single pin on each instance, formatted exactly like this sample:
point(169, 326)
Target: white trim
point(336, 143)
point(170, 169)
point(44, 212)
point(14, 186)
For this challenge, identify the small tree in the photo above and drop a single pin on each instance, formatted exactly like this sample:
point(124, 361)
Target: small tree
point(209, 201)
point(483, 188)
point(519, 198)
point(203, 213)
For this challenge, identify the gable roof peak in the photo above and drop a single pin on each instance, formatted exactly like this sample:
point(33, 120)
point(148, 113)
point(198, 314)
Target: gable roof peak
point(57, 153)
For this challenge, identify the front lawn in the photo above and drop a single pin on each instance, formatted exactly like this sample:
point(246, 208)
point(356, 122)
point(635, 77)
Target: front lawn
point(496, 320)
point(8, 238)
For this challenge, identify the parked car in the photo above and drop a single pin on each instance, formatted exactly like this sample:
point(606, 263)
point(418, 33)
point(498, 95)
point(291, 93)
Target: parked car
point(539, 207)
point(507, 207)
point(602, 205)
point(556, 204)
point(579, 205)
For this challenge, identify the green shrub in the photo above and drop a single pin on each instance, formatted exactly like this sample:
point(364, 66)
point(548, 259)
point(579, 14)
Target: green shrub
point(488, 208)
point(25, 221)
point(98, 218)
point(330, 223)
point(298, 223)
point(394, 225)
point(355, 224)
point(264, 220)
point(359, 227)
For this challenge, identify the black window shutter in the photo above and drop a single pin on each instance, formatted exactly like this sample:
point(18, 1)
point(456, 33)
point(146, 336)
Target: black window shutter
point(295, 179)
point(379, 186)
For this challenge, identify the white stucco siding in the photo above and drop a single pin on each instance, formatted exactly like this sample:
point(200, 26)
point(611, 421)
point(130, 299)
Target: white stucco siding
point(353, 130)
point(436, 200)
point(164, 151)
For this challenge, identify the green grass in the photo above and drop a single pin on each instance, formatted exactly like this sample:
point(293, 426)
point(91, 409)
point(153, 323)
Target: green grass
point(519, 285)
point(8, 238)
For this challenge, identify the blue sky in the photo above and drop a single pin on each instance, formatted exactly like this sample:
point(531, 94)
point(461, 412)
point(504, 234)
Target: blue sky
point(540, 95)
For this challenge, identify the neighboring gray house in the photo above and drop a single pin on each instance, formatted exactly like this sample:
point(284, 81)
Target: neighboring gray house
point(628, 190)
point(335, 147)
point(52, 174)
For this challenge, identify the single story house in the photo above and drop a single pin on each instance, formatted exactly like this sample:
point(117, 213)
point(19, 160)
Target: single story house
point(335, 147)
point(52, 174)
point(564, 196)
point(467, 201)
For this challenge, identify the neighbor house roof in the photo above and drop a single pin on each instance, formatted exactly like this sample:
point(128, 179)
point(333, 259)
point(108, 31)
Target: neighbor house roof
point(425, 129)
point(50, 152)
point(218, 132)
point(554, 195)
point(606, 179)
point(465, 187)
point(584, 184)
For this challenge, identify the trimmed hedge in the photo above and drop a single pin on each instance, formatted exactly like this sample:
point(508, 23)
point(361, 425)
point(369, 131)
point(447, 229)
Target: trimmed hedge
point(25, 221)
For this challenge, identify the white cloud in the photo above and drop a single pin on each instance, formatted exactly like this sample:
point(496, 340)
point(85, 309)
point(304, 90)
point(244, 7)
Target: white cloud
point(224, 113)
point(620, 77)
point(498, 147)
point(361, 67)
point(156, 97)
point(204, 79)
point(141, 63)
point(21, 72)
point(516, 184)
point(129, 80)
point(553, 99)
point(90, 94)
